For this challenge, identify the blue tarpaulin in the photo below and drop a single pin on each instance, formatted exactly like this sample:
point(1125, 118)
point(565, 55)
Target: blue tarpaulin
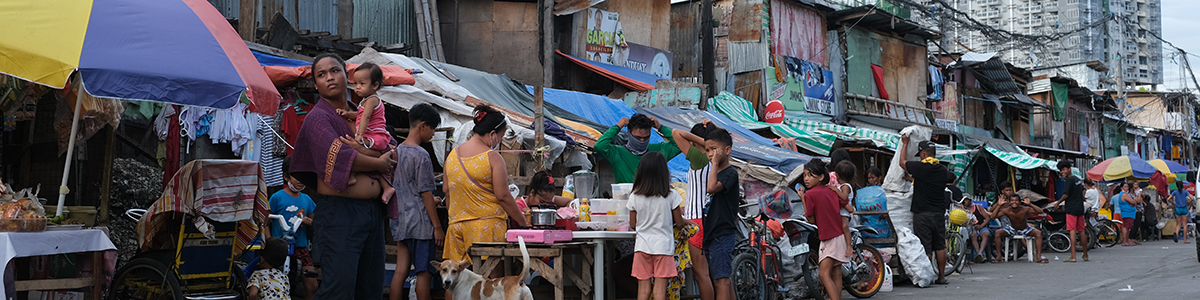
point(747, 145)
point(607, 112)
point(271, 60)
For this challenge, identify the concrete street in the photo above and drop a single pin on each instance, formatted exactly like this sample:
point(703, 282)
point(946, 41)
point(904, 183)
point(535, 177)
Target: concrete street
point(1155, 270)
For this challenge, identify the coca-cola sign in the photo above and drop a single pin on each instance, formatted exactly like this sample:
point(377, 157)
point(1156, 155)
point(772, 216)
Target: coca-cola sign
point(774, 112)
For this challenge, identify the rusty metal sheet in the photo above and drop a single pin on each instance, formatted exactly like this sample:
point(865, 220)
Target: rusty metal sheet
point(747, 22)
point(685, 19)
point(749, 86)
point(566, 7)
point(798, 31)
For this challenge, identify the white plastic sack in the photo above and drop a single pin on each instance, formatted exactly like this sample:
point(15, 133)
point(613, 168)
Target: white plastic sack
point(899, 191)
point(912, 256)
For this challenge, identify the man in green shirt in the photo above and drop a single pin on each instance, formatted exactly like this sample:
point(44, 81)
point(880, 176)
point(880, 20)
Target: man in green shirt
point(625, 158)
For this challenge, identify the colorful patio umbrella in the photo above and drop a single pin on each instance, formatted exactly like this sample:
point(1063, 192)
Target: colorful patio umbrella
point(173, 51)
point(1168, 166)
point(1121, 167)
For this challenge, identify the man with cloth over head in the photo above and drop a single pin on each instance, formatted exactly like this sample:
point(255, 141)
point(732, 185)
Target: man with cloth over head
point(625, 158)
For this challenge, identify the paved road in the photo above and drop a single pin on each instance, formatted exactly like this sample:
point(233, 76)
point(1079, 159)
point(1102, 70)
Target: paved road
point(1155, 270)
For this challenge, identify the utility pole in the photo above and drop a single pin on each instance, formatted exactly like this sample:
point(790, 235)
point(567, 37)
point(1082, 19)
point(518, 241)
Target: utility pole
point(708, 51)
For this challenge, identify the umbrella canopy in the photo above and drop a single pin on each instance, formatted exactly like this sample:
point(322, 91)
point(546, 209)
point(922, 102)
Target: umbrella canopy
point(1121, 167)
point(173, 51)
point(1169, 168)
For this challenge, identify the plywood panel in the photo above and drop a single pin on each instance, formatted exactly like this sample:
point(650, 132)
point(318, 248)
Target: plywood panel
point(645, 22)
point(905, 72)
point(749, 86)
point(515, 16)
point(517, 51)
point(474, 45)
point(797, 31)
point(474, 10)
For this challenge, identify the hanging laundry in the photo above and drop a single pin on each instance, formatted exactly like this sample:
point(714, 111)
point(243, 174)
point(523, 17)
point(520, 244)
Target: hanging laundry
point(280, 149)
point(265, 140)
point(935, 80)
point(162, 123)
point(877, 72)
point(170, 163)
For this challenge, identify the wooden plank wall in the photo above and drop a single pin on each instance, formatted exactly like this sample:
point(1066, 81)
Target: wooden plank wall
point(905, 71)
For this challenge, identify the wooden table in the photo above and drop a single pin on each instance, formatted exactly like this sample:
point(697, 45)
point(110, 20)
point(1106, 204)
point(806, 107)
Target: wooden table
point(497, 252)
point(23, 244)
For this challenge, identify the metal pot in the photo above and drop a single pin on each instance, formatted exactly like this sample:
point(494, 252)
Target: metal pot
point(543, 217)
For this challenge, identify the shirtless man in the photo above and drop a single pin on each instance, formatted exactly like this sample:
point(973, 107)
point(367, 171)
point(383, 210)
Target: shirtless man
point(1018, 213)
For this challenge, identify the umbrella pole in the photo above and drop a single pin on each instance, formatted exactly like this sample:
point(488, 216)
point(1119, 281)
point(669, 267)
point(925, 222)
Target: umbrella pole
point(63, 190)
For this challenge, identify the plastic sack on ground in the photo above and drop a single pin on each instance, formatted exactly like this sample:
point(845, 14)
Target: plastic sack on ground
point(912, 256)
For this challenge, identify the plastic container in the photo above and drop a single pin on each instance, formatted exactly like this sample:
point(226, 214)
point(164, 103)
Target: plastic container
point(621, 207)
point(590, 226)
point(601, 206)
point(621, 191)
point(23, 225)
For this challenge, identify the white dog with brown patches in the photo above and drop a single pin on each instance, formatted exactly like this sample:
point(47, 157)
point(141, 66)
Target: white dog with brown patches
point(464, 284)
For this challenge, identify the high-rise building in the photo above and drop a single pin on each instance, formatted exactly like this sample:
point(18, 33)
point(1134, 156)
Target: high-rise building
point(1086, 33)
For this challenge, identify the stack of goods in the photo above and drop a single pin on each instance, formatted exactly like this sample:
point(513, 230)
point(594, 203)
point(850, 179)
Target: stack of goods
point(23, 215)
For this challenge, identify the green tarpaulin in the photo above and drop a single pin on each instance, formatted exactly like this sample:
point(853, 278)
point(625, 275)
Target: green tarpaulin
point(1060, 100)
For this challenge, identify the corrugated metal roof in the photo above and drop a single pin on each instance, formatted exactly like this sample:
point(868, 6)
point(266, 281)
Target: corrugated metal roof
point(386, 22)
point(1039, 86)
point(995, 78)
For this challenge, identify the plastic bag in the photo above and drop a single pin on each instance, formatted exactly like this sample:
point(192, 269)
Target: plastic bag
point(95, 113)
point(912, 255)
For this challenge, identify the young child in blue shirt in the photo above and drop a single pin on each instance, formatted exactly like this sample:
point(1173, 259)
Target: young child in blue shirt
point(292, 205)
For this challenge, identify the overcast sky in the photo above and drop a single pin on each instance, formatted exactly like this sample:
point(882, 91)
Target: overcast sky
point(1180, 26)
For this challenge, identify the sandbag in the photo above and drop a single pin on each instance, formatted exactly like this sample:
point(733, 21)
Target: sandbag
point(912, 256)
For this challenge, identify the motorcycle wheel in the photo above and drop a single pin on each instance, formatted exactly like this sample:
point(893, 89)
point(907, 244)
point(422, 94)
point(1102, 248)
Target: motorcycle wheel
point(1059, 242)
point(870, 278)
point(811, 280)
point(748, 280)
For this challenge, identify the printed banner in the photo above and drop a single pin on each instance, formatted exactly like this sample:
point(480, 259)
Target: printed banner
point(817, 83)
point(646, 59)
point(604, 37)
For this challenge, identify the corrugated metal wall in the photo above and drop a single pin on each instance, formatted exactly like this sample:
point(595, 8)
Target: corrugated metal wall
point(228, 8)
point(316, 15)
point(386, 22)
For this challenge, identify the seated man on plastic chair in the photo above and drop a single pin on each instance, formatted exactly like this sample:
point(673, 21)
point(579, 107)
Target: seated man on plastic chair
point(1018, 213)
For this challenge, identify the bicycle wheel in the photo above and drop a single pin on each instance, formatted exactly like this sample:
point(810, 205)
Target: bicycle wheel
point(1107, 235)
point(145, 278)
point(1059, 242)
point(748, 281)
point(868, 274)
point(956, 251)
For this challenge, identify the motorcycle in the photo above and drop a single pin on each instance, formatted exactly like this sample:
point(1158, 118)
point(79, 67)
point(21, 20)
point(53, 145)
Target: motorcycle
point(862, 276)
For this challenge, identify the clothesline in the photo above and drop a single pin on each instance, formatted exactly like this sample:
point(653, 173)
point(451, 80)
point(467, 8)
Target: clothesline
point(276, 133)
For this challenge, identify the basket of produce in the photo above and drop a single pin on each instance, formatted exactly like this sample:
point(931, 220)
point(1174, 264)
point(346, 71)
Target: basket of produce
point(22, 216)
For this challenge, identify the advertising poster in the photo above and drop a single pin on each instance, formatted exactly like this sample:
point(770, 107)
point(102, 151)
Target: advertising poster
point(817, 84)
point(789, 91)
point(646, 59)
point(604, 37)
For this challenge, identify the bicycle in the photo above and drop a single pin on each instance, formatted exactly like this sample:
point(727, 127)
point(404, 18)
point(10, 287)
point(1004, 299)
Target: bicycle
point(756, 260)
point(957, 251)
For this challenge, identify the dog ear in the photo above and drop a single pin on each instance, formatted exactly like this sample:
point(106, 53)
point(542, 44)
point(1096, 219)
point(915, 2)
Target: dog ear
point(436, 264)
point(462, 265)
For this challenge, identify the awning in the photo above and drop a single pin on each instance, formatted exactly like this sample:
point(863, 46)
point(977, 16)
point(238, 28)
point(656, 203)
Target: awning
point(1068, 153)
point(1018, 97)
point(748, 146)
point(1019, 160)
point(633, 79)
point(741, 112)
point(976, 141)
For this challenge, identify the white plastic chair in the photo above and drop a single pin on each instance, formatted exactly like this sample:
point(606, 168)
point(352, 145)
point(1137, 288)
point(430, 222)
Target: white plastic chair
point(1009, 247)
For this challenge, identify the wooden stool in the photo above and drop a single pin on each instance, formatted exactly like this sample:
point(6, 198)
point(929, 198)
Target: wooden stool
point(497, 252)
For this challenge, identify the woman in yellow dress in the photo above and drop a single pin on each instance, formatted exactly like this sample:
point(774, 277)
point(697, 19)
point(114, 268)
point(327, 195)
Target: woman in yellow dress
point(478, 201)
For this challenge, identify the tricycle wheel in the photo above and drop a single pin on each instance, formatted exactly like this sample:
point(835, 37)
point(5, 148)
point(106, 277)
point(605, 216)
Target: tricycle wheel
point(145, 278)
point(748, 280)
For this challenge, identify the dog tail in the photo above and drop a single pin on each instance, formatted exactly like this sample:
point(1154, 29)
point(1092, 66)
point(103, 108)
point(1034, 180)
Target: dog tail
point(525, 255)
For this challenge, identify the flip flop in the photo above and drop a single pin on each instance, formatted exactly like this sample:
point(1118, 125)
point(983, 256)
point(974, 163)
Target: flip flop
point(1085, 258)
point(942, 282)
point(1069, 261)
point(1043, 261)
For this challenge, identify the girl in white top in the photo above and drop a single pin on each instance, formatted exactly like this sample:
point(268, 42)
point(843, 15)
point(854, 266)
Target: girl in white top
point(845, 172)
point(1091, 196)
point(654, 208)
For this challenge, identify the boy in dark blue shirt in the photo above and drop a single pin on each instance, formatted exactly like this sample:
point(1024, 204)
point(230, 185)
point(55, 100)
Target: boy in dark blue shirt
point(720, 217)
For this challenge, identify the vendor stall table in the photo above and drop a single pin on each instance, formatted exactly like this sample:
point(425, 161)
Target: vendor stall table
point(23, 244)
point(555, 275)
point(598, 238)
